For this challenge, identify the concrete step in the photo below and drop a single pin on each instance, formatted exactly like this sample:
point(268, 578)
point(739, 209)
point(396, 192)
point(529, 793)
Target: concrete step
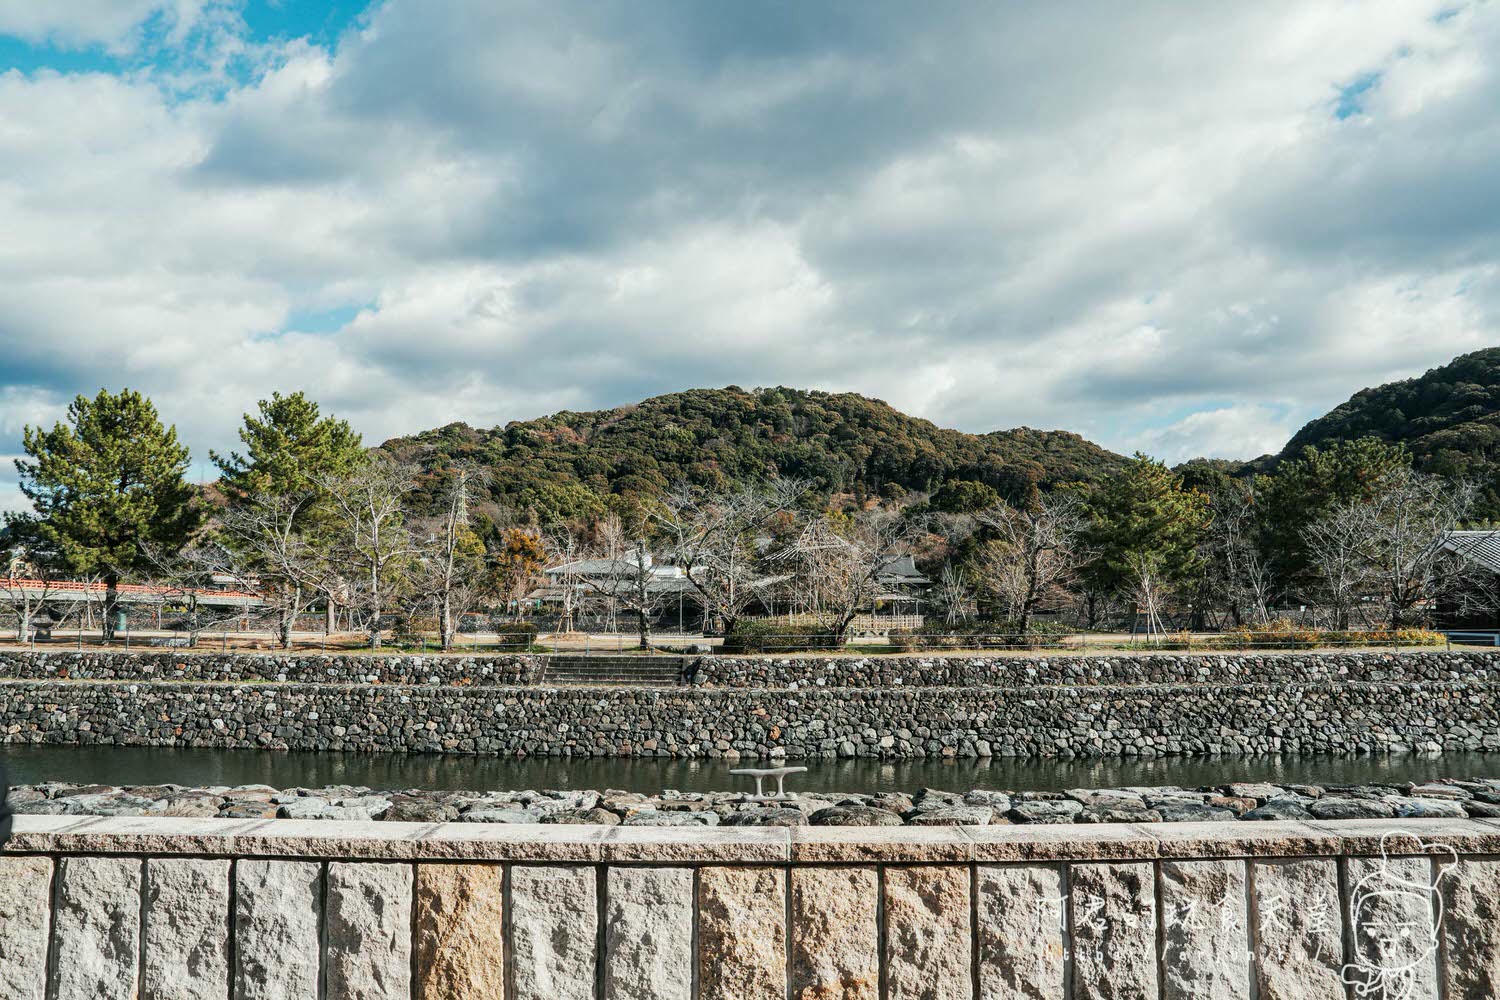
point(613, 670)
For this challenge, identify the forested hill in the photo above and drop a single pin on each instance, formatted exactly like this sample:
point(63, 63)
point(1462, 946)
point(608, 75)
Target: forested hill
point(1449, 418)
point(568, 464)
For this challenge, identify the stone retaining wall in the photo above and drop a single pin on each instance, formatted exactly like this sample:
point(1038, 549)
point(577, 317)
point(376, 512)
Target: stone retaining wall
point(1039, 669)
point(730, 723)
point(238, 667)
point(958, 670)
point(214, 909)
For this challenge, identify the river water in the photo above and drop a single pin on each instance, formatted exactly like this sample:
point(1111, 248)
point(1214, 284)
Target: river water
point(107, 765)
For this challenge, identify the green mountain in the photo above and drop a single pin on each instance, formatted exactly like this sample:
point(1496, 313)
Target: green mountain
point(1448, 418)
point(571, 464)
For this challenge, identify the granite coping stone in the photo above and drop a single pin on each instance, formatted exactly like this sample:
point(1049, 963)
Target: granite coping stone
point(393, 841)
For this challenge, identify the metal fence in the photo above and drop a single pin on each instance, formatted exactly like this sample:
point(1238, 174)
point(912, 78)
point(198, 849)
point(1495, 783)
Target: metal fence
point(628, 643)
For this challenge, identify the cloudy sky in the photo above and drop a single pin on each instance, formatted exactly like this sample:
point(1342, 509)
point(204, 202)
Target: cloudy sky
point(1180, 229)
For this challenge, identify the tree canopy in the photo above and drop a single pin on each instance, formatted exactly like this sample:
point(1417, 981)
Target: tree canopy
point(581, 464)
point(108, 484)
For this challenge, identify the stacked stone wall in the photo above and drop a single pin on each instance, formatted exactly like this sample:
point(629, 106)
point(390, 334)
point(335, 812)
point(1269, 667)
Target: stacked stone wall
point(1084, 721)
point(885, 670)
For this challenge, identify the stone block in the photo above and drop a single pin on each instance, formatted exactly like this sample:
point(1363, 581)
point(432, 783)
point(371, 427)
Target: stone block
point(836, 934)
point(1471, 929)
point(928, 946)
point(1022, 912)
point(554, 922)
point(187, 929)
point(1395, 943)
point(96, 925)
point(367, 931)
point(1206, 953)
point(25, 922)
point(1299, 930)
point(278, 918)
point(460, 931)
point(742, 934)
point(648, 934)
point(1112, 910)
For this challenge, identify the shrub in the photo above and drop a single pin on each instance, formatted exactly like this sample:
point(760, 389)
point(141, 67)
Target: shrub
point(777, 637)
point(515, 637)
point(980, 635)
point(1283, 634)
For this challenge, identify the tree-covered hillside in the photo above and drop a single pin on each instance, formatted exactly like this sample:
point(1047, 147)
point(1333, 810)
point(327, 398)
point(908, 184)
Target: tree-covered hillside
point(1448, 419)
point(571, 464)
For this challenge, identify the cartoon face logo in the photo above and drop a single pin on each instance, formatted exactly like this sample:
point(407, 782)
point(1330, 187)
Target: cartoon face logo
point(1396, 910)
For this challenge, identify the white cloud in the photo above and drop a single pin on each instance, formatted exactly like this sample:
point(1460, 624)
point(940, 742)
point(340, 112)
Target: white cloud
point(1140, 224)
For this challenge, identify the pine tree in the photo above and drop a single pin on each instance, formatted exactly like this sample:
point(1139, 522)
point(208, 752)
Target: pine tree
point(108, 484)
point(288, 446)
point(1145, 523)
point(290, 450)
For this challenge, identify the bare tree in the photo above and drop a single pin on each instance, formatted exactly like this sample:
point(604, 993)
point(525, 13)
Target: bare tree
point(625, 580)
point(1410, 516)
point(715, 540)
point(1147, 586)
point(1041, 550)
point(261, 549)
point(33, 584)
point(1338, 547)
point(953, 596)
point(564, 551)
point(369, 507)
point(841, 566)
point(452, 575)
point(1246, 573)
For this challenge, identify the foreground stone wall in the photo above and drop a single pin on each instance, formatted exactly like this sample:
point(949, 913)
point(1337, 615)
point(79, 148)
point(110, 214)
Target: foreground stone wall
point(214, 909)
point(1085, 721)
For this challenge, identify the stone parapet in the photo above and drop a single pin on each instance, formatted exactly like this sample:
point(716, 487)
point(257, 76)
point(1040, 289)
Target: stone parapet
point(222, 909)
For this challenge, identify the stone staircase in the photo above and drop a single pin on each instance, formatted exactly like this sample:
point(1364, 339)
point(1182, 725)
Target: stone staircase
point(657, 671)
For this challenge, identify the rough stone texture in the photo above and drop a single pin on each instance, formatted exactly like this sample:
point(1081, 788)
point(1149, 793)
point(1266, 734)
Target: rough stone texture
point(1471, 919)
point(187, 930)
point(1390, 903)
point(1207, 935)
point(460, 931)
point(25, 919)
point(278, 910)
point(210, 665)
point(367, 954)
point(554, 932)
point(928, 946)
point(96, 926)
point(1022, 911)
point(836, 947)
point(742, 934)
point(886, 670)
point(1299, 930)
point(648, 933)
point(1112, 910)
point(1293, 703)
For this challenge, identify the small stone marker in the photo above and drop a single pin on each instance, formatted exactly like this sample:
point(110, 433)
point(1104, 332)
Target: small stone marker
point(761, 773)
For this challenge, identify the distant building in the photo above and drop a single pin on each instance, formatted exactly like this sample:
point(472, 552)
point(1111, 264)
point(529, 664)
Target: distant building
point(1474, 602)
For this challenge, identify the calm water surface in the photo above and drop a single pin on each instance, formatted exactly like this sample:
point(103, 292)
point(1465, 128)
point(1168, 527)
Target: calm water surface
point(146, 765)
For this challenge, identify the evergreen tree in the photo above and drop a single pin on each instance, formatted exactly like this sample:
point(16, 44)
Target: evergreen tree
point(108, 484)
point(1308, 487)
point(288, 446)
point(1143, 517)
point(290, 451)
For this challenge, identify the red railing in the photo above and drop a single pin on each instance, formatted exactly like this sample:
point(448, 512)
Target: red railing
point(84, 586)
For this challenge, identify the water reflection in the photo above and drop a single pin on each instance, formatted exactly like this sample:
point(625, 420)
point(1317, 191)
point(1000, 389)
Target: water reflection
point(148, 765)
